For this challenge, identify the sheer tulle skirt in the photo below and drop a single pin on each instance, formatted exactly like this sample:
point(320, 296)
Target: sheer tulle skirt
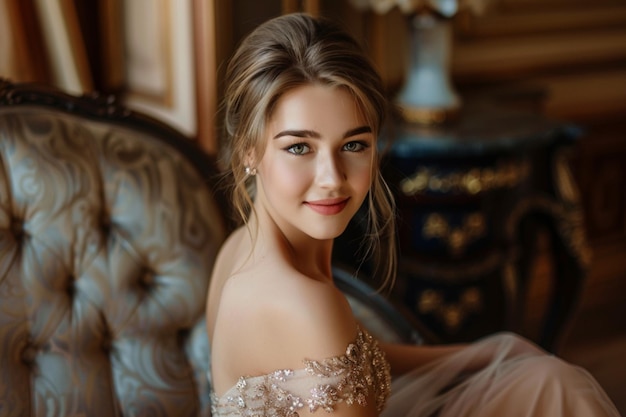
point(502, 375)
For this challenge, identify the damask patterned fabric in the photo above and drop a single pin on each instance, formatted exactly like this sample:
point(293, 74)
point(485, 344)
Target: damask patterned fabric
point(107, 239)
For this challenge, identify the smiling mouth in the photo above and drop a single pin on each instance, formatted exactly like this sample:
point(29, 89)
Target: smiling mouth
point(328, 207)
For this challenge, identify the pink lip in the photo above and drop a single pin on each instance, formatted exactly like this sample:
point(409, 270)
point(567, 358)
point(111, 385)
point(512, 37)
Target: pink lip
point(328, 206)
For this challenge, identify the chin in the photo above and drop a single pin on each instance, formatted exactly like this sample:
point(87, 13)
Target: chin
point(327, 234)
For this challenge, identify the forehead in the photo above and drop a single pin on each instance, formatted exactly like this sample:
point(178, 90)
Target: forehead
point(316, 106)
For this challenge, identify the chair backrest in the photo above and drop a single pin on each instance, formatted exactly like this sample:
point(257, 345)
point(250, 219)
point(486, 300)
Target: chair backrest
point(376, 313)
point(109, 225)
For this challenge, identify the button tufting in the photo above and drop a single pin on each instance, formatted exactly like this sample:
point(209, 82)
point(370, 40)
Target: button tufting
point(147, 279)
point(182, 335)
point(29, 354)
point(107, 341)
point(105, 224)
point(17, 228)
point(71, 286)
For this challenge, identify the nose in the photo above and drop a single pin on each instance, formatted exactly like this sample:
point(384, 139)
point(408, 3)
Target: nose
point(330, 171)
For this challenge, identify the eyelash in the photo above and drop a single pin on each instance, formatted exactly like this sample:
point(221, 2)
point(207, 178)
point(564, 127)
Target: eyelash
point(291, 147)
point(362, 146)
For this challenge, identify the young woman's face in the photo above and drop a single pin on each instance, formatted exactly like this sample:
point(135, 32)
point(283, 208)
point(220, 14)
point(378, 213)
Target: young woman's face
point(317, 166)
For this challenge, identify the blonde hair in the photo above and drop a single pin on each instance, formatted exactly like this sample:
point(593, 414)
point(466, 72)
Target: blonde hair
point(279, 55)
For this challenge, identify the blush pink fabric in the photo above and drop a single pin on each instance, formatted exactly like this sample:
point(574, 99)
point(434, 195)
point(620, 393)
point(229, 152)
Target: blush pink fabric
point(502, 375)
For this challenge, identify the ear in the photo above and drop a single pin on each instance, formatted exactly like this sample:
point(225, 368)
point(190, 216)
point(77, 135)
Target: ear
point(250, 159)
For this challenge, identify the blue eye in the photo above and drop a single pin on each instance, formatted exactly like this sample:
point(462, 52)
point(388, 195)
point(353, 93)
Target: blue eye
point(299, 149)
point(355, 146)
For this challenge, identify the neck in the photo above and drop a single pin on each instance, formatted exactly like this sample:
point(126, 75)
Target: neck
point(307, 255)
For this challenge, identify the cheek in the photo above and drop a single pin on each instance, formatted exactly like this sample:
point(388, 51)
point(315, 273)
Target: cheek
point(364, 182)
point(361, 175)
point(286, 175)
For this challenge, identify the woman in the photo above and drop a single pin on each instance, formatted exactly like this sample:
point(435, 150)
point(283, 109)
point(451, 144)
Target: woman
point(303, 109)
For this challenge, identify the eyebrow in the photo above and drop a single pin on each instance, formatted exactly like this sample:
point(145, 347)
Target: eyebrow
point(313, 134)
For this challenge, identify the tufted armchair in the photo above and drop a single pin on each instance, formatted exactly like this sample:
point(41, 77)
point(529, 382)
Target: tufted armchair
point(109, 225)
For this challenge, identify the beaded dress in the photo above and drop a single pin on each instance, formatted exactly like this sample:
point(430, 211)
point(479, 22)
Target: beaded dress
point(351, 378)
point(514, 379)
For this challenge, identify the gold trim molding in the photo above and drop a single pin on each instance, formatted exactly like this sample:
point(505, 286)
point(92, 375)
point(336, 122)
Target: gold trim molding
point(456, 238)
point(452, 315)
point(474, 181)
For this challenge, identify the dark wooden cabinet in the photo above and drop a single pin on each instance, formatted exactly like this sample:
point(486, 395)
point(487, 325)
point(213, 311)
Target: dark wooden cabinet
point(472, 198)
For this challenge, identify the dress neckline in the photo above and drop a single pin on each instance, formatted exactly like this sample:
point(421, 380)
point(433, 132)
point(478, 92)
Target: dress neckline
point(305, 371)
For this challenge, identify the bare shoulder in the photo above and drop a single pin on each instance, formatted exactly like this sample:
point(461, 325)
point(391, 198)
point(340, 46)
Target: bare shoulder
point(318, 319)
point(286, 316)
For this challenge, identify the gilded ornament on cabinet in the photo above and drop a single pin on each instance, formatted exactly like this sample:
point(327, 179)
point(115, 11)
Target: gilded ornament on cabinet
point(453, 315)
point(474, 181)
point(437, 227)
